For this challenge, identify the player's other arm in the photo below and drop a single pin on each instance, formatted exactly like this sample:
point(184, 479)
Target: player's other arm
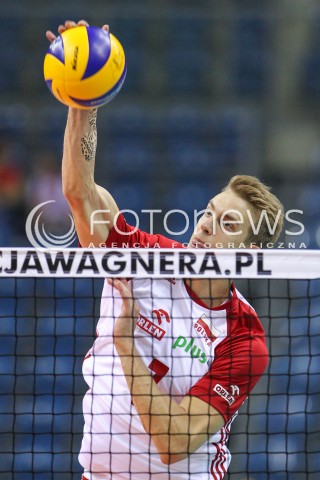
point(92, 206)
point(177, 429)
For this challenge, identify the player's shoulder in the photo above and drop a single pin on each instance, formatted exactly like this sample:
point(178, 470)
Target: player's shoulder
point(239, 304)
point(243, 317)
point(243, 302)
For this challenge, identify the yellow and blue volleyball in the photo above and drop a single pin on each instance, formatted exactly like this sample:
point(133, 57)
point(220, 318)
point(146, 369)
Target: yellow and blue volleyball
point(85, 67)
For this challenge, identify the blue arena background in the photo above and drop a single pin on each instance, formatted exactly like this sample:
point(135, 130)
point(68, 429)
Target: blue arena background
point(213, 89)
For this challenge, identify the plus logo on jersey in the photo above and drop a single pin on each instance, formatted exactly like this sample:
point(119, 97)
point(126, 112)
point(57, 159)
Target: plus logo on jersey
point(209, 332)
point(193, 350)
point(150, 327)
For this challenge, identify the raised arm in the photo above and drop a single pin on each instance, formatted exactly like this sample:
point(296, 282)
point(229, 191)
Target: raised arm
point(82, 193)
point(84, 196)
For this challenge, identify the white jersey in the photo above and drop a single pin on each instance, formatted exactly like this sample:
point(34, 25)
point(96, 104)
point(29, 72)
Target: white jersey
point(187, 348)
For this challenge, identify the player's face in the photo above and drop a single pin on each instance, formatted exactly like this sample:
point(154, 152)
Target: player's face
point(225, 223)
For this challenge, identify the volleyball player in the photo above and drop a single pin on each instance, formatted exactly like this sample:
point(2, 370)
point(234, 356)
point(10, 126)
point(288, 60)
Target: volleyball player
point(173, 360)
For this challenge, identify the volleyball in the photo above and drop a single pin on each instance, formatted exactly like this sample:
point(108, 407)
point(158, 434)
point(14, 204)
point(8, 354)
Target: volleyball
point(85, 67)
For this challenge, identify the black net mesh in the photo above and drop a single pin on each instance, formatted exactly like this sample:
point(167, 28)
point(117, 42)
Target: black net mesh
point(48, 325)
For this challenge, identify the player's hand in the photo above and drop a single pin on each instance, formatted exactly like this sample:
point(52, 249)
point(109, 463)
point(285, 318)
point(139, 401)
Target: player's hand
point(70, 24)
point(126, 322)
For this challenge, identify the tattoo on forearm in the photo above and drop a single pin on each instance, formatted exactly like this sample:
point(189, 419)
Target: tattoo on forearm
point(89, 140)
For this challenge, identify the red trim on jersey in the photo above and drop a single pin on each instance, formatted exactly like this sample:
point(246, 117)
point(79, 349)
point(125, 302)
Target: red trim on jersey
point(195, 297)
point(223, 306)
point(223, 456)
point(214, 470)
point(218, 463)
point(127, 237)
point(240, 360)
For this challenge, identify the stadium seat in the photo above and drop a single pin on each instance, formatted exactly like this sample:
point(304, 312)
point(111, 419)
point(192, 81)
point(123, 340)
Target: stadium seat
point(190, 195)
point(251, 55)
point(257, 464)
point(130, 122)
point(216, 137)
point(12, 53)
point(131, 195)
point(52, 125)
point(130, 159)
point(188, 30)
point(189, 160)
point(131, 31)
point(187, 54)
point(310, 81)
point(186, 69)
point(276, 423)
point(183, 122)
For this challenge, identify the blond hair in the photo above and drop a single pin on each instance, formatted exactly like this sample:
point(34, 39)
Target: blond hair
point(259, 197)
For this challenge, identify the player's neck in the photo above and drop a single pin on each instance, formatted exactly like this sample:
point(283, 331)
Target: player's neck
point(211, 292)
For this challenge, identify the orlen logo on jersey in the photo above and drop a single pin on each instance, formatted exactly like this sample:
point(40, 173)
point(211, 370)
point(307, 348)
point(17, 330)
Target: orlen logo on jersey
point(223, 393)
point(209, 332)
point(151, 328)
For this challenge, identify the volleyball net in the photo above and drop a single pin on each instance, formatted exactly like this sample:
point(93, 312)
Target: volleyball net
point(49, 310)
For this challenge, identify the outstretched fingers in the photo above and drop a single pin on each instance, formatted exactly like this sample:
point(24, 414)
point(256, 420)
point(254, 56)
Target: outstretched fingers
point(70, 24)
point(129, 307)
point(83, 23)
point(122, 285)
point(50, 36)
